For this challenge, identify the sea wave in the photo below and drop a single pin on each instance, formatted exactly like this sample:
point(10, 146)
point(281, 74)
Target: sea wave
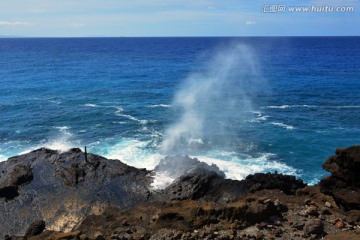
point(64, 130)
point(132, 118)
point(119, 113)
point(289, 106)
point(89, 105)
point(237, 166)
point(140, 154)
point(283, 125)
point(259, 117)
point(159, 105)
point(130, 151)
point(51, 100)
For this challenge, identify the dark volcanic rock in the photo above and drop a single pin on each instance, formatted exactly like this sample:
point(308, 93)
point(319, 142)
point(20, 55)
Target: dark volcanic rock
point(313, 226)
point(203, 184)
point(35, 228)
point(344, 182)
point(207, 183)
point(177, 166)
point(259, 181)
point(62, 188)
point(12, 178)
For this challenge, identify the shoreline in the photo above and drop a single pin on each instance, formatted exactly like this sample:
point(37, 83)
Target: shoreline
point(74, 194)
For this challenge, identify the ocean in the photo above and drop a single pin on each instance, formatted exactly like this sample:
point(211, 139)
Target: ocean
point(247, 104)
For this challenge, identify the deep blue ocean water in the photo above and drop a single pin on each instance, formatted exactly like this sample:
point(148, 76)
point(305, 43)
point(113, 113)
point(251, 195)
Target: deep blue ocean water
point(116, 96)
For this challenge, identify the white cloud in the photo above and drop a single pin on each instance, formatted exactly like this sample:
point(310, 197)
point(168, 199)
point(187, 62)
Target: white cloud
point(250, 22)
point(16, 23)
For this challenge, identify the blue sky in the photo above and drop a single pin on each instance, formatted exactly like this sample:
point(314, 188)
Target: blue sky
point(87, 18)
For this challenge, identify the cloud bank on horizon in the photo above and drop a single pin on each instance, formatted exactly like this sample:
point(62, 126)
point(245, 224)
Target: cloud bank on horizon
point(86, 18)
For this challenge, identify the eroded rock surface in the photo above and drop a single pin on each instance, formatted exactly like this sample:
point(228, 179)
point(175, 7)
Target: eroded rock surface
point(62, 188)
point(106, 199)
point(344, 182)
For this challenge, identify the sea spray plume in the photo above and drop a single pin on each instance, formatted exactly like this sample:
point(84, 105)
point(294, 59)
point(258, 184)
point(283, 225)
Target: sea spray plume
point(214, 100)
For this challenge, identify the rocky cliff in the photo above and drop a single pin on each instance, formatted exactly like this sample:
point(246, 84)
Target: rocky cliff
point(62, 188)
point(71, 195)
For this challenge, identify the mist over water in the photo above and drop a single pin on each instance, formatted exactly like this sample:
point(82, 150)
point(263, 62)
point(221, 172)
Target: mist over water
point(215, 101)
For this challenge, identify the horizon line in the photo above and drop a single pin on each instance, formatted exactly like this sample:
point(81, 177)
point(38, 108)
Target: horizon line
point(265, 36)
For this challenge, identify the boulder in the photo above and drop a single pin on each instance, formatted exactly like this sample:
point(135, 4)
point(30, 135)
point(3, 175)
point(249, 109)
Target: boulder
point(202, 184)
point(344, 182)
point(313, 226)
point(35, 228)
point(286, 183)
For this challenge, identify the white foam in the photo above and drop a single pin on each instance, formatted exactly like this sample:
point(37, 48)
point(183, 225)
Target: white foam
point(355, 106)
point(133, 152)
point(161, 181)
point(55, 101)
point(259, 117)
point(160, 105)
point(120, 114)
point(61, 142)
point(236, 167)
point(120, 122)
point(62, 128)
point(58, 144)
point(90, 105)
point(281, 107)
point(288, 127)
point(138, 154)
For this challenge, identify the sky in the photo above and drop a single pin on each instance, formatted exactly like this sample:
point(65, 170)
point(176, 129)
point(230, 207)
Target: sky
point(141, 18)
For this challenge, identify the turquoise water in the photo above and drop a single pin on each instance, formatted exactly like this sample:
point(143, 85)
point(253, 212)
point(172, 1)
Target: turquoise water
point(245, 104)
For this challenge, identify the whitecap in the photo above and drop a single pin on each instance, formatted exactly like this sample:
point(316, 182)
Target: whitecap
point(55, 101)
point(119, 110)
point(159, 105)
point(238, 167)
point(291, 106)
point(90, 105)
point(132, 152)
point(120, 122)
point(61, 144)
point(62, 128)
point(288, 127)
point(350, 106)
point(259, 117)
point(120, 114)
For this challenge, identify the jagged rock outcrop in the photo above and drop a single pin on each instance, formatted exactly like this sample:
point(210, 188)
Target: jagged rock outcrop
point(202, 184)
point(35, 228)
point(97, 198)
point(344, 182)
point(62, 188)
point(177, 166)
point(259, 181)
point(207, 185)
point(12, 178)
